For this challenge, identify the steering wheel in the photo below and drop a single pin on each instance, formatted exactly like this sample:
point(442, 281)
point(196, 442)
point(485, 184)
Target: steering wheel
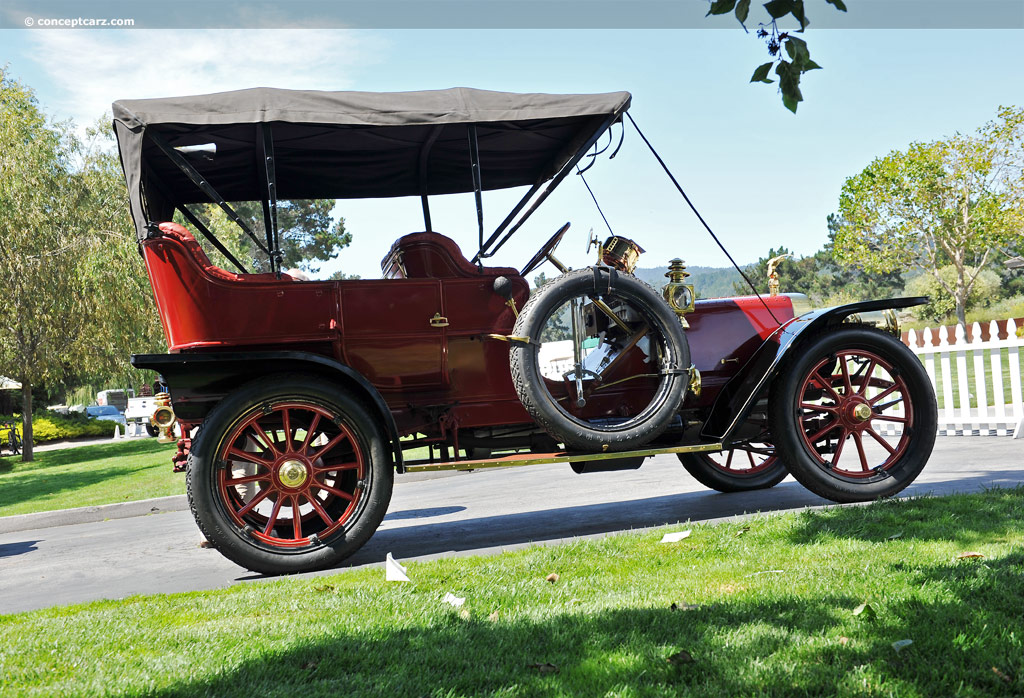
point(544, 251)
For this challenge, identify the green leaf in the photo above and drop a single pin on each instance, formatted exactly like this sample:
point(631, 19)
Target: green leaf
point(742, 10)
point(865, 610)
point(790, 102)
point(838, 4)
point(798, 12)
point(761, 74)
point(779, 8)
point(810, 65)
point(721, 7)
point(797, 50)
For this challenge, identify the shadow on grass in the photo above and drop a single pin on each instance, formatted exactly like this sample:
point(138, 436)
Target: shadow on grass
point(985, 516)
point(783, 647)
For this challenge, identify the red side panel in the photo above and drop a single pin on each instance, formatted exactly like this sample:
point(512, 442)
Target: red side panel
point(200, 309)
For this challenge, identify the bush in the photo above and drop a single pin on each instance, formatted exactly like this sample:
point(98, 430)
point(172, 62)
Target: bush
point(47, 426)
point(942, 306)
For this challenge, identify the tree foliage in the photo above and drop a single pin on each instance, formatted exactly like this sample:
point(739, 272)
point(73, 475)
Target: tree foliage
point(74, 295)
point(954, 202)
point(307, 234)
point(776, 41)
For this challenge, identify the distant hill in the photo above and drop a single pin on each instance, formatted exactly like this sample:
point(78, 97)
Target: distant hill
point(709, 282)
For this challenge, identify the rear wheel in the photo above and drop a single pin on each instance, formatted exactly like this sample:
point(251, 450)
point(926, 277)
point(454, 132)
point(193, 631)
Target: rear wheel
point(854, 416)
point(752, 466)
point(624, 373)
point(289, 474)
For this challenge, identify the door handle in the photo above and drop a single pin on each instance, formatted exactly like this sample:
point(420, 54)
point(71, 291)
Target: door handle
point(438, 321)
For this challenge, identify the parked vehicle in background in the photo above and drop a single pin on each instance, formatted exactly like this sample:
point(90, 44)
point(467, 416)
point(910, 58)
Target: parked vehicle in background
point(105, 413)
point(139, 411)
point(116, 398)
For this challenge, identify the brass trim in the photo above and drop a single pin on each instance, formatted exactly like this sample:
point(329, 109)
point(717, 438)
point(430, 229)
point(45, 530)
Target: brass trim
point(438, 321)
point(561, 457)
point(293, 473)
point(695, 386)
point(773, 274)
point(677, 275)
point(163, 418)
point(621, 253)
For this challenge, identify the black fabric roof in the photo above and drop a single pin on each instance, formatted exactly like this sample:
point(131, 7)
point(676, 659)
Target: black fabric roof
point(352, 144)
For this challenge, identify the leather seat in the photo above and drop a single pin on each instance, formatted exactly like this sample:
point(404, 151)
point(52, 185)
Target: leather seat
point(432, 256)
point(182, 235)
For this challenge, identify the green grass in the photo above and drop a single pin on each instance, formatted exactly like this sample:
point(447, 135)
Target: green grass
point(88, 475)
point(954, 377)
point(764, 608)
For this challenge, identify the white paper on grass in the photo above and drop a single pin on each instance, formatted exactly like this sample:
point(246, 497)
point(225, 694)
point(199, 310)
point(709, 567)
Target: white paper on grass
point(454, 600)
point(676, 537)
point(394, 572)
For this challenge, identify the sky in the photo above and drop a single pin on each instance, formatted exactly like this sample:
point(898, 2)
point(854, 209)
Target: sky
point(761, 176)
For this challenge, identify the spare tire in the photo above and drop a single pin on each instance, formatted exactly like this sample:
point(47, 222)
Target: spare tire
point(628, 374)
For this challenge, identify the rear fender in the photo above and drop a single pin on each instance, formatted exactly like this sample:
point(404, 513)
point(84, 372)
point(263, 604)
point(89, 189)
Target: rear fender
point(738, 397)
point(199, 381)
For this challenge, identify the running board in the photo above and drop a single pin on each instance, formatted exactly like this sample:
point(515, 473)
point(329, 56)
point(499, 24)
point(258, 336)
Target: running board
point(519, 459)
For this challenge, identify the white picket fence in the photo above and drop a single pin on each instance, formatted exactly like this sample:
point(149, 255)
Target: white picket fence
point(970, 379)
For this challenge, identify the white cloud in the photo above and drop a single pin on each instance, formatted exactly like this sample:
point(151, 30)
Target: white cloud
point(92, 68)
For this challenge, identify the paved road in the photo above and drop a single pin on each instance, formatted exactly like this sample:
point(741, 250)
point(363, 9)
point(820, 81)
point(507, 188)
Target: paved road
point(466, 513)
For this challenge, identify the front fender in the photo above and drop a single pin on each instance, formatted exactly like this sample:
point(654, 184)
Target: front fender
point(199, 381)
point(737, 398)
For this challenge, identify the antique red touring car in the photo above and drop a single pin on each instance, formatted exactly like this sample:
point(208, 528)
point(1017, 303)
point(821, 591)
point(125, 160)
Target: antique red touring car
point(299, 400)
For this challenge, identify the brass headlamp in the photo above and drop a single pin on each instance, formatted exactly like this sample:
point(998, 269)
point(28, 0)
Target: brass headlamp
point(679, 294)
point(163, 418)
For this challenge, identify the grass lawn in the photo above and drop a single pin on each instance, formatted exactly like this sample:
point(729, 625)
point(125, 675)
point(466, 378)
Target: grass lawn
point(764, 608)
point(88, 475)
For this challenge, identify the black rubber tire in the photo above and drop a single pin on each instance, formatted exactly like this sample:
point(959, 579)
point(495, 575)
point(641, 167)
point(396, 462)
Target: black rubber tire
point(152, 430)
point(575, 433)
point(211, 512)
point(806, 464)
point(705, 471)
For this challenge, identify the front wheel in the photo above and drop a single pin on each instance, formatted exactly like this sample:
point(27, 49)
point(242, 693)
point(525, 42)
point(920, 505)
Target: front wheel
point(289, 474)
point(599, 360)
point(854, 416)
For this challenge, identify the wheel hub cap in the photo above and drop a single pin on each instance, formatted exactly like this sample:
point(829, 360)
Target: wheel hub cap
point(862, 412)
point(293, 473)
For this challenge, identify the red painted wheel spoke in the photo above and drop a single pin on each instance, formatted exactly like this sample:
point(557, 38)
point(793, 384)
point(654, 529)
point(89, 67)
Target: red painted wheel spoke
point(259, 477)
point(260, 496)
point(839, 447)
point(867, 378)
point(333, 490)
point(266, 439)
point(860, 450)
point(329, 445)
point(287, 430)
point(846, 376)
point(890, 418)
point(879, 439)
point(273, 517)
point(296, 517)
point(332, 468)
point(831, 426)
point(320, 510)
point(827, 384)
point(310, 430)
point(248, 457)
point(830, 409)
point(884, 393)
point(750, 457)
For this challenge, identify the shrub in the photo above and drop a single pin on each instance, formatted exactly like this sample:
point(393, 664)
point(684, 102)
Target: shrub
point(942, 305)
point(47, 426)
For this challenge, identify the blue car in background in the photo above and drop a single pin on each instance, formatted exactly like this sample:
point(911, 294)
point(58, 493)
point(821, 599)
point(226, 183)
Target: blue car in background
point(107, 413)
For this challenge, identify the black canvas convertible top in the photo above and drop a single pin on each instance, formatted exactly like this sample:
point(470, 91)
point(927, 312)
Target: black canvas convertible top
point(351, 144)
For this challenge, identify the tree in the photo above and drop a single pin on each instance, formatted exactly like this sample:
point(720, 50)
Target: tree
point(557, 327)
point(76, 297)
point(39, 215)
point(952, 202)
point(789, 72)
